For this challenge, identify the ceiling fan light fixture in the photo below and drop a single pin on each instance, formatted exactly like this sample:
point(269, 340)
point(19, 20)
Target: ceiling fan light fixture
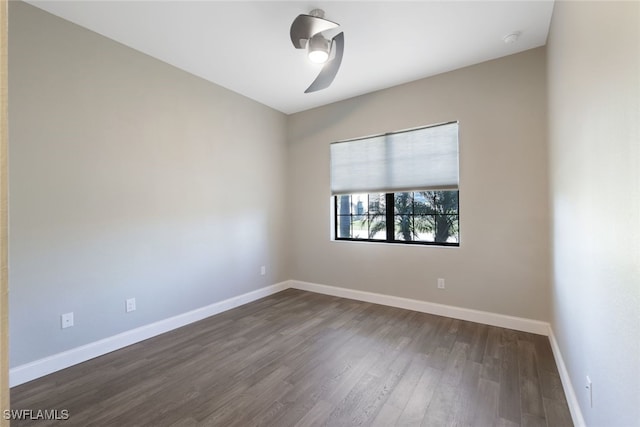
point(307, 32)
point(318, 56)
point(319, 49)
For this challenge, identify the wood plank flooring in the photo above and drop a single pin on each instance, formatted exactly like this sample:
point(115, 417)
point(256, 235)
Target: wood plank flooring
point(299, 359)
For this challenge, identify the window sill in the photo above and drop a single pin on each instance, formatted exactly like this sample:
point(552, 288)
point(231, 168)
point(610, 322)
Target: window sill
point(419, 245)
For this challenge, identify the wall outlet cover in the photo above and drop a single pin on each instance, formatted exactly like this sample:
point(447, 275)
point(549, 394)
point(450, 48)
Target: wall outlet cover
point(66, 320)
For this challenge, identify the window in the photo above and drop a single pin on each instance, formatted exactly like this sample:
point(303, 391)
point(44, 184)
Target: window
point(399, 188)
point(429, 217)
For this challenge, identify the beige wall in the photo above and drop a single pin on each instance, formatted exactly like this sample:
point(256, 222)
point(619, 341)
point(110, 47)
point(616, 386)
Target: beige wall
point(594, 116)
point(4, 307)
point(502, 263)
point(129, 178)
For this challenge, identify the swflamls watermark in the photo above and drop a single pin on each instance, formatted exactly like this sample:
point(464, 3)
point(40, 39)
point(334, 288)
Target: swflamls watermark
point(35, 414)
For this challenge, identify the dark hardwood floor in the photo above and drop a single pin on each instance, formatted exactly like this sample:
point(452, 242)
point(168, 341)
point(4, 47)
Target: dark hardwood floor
point(298, 358)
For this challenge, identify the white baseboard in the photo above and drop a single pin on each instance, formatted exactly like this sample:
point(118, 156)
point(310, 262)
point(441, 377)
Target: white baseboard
point(569, 391)
point(38, 368)
point(487, 318)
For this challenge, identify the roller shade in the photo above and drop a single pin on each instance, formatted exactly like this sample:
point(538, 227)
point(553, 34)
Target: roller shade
point(419, 159)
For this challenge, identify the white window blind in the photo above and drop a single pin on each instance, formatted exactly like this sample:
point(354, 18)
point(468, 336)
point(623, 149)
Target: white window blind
point(419, 159)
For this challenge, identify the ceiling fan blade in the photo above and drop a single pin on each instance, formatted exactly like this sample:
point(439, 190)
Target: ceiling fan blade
point(306, 26)
point(330, 69)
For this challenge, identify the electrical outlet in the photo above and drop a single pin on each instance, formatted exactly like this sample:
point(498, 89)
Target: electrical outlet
point(130, 305)
point(589, 388)
point(440, 283)
point(66, 320)
point(263, 270)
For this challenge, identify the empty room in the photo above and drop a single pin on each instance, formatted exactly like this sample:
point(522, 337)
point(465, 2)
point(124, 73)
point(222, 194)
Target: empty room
point(292, 213)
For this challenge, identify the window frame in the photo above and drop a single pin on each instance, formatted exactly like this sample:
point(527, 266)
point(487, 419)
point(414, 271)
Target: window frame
point(390, 220)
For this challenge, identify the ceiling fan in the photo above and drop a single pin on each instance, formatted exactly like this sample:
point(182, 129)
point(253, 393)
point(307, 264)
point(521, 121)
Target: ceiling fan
point(307, 32)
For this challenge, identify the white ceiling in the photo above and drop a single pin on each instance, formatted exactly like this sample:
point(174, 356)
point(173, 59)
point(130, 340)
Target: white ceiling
point(245, 45)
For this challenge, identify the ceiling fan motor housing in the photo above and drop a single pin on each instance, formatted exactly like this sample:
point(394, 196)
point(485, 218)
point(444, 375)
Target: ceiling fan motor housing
point(318, 13)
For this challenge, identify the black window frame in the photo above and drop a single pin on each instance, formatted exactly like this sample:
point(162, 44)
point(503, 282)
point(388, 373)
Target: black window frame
point(390, 223)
